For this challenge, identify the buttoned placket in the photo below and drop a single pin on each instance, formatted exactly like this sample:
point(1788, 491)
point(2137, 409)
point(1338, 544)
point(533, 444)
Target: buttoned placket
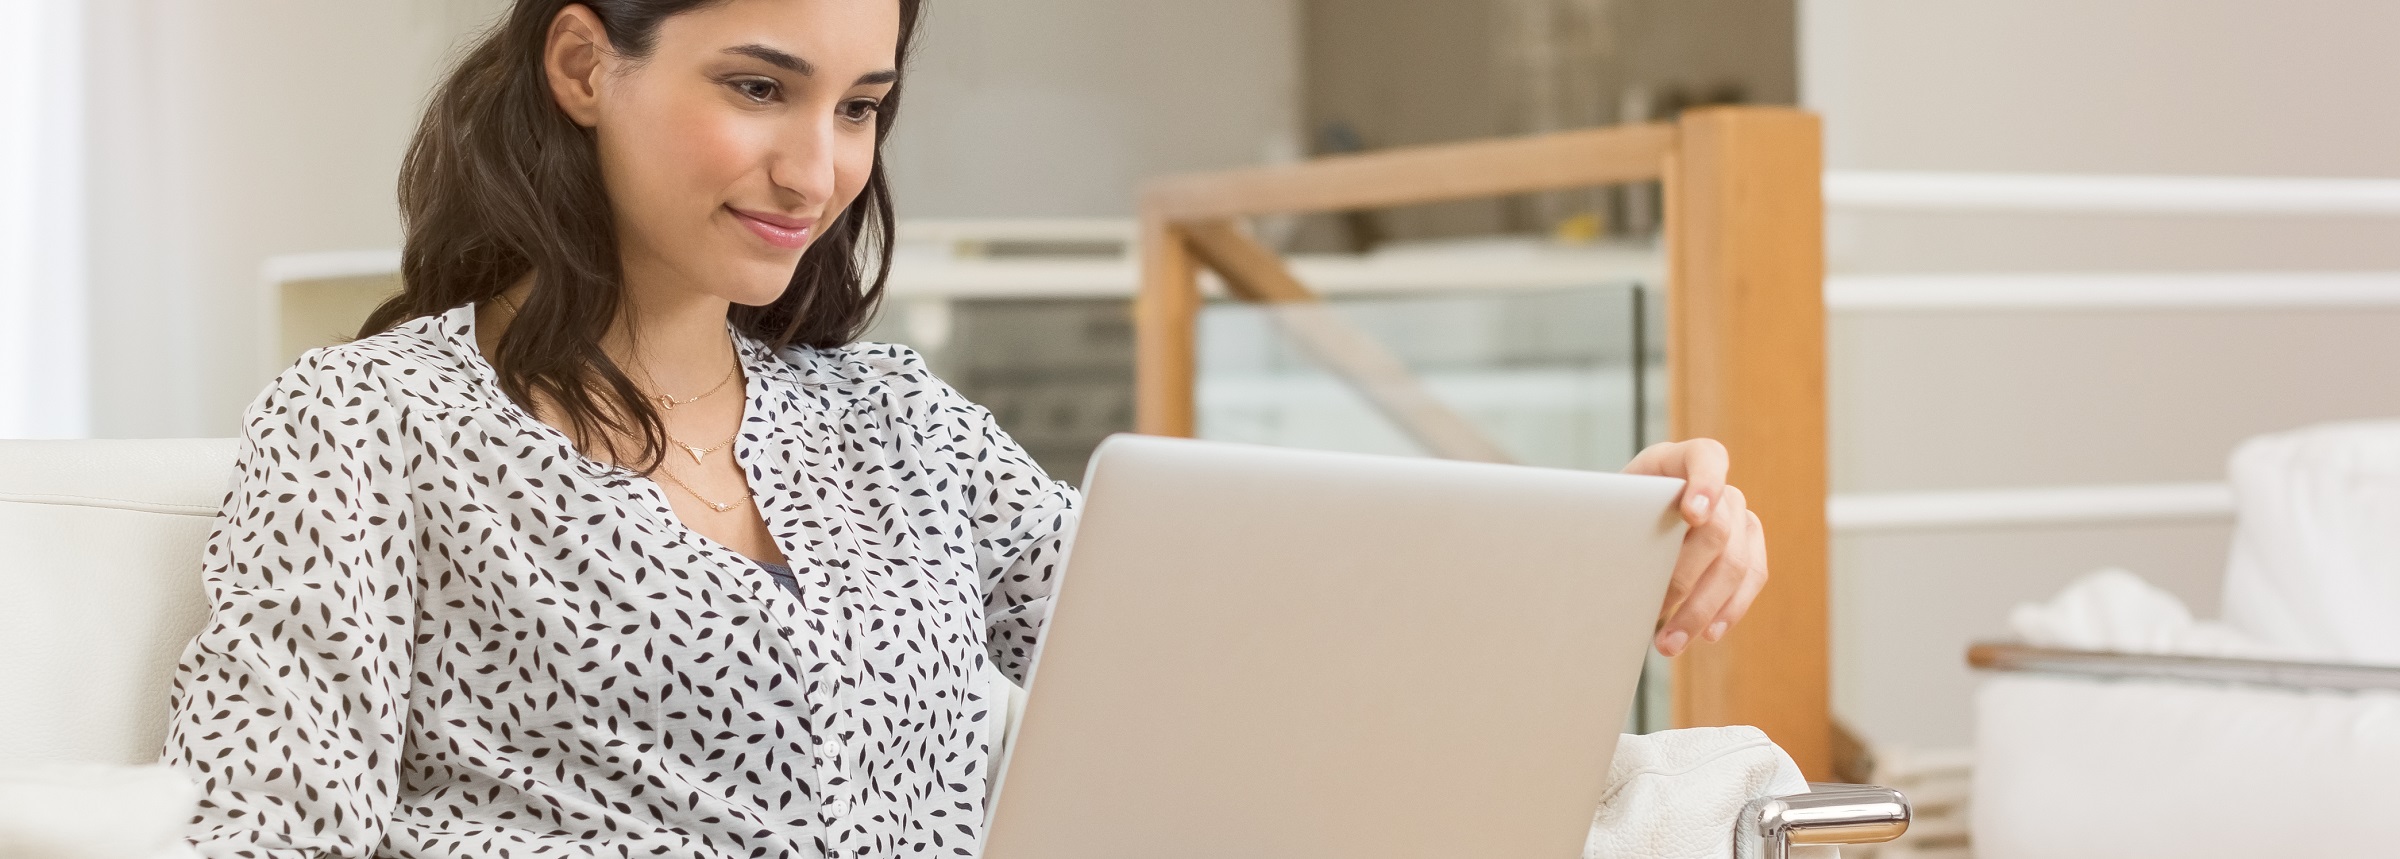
point(759, 439)
point(816, 581)
point(832, 771)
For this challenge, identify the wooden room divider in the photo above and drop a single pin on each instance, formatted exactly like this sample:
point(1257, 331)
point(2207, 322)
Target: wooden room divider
point(1745, 342)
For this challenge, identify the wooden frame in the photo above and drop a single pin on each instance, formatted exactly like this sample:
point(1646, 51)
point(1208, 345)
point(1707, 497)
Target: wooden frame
point(1746, 356)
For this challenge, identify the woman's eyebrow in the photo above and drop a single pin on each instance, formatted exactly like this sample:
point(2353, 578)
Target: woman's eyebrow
point(775, 58)
point(804, 68)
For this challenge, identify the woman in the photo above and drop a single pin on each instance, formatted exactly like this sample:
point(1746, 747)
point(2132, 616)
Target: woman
point(605, 538)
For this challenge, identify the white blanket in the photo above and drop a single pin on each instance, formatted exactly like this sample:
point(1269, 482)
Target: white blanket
point(1675, 794)
point(2115, 611)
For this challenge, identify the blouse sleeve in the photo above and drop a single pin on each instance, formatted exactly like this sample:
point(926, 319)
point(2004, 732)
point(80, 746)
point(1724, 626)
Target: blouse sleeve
point(289, 705)
point(1024, 522)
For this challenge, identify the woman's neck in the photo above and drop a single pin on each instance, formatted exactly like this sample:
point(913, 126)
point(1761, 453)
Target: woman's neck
point(671, 341)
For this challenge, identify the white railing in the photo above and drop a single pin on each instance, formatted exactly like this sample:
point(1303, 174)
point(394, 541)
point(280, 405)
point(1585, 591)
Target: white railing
point(2048, 192)
point(1875, 191)
point(2030, 506)
point(2134, 291)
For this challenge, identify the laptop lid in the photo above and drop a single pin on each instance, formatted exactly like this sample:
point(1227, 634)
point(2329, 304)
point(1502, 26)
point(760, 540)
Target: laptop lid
point(1265, 652)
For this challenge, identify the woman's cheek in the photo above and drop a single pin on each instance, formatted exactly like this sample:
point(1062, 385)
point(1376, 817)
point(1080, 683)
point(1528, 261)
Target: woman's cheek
point(850, 176)
point(714, 152)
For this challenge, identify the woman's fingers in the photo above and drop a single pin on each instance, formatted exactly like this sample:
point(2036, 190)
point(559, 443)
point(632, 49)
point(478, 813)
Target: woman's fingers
point(1723, 564)
point(1709, 572)
point(1701, 462)
point(1701, 546)
point(1754, 579)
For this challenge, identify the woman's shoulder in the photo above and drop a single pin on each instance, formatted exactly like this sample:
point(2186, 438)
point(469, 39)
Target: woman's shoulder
point(855, 364)
point(887, 378)
point(416, 362)
point(862, 370)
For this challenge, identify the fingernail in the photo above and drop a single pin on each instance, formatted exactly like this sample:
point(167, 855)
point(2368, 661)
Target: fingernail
point(1673, 644)
point(1716, 630)
point(1699, 504)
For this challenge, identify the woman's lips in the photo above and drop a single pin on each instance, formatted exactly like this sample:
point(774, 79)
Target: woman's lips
point(782, 232)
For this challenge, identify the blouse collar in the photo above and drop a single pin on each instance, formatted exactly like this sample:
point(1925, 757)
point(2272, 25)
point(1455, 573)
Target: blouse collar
point(458, 328)
point(759, 364)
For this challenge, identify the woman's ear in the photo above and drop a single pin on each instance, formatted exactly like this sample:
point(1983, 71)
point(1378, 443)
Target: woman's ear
point(572, 58)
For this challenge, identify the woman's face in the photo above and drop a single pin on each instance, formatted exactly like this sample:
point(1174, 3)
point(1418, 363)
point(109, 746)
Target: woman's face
point(747, 131)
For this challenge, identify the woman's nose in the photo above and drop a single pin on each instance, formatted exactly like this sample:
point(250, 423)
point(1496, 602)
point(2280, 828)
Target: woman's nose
point(803, 162)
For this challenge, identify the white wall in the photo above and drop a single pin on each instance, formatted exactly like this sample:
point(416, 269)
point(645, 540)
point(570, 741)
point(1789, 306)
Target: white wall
point(1948, 401)
point(223, 133)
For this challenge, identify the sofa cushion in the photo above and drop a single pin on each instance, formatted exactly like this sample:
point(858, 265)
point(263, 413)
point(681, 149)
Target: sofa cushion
point(2315, 568)
point(102, 540)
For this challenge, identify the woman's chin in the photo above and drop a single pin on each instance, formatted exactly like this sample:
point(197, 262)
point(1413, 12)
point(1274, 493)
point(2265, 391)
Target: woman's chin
point(759, 297)
point(758, 285)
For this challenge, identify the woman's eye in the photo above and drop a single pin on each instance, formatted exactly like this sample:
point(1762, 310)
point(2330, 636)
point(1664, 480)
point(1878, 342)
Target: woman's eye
point(754, 89)
point(859, 109)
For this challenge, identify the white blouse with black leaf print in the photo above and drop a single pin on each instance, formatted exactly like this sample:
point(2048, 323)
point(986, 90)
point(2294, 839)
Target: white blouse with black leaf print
point(439, 631)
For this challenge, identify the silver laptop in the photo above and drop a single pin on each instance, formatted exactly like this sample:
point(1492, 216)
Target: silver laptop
point(1260, 653)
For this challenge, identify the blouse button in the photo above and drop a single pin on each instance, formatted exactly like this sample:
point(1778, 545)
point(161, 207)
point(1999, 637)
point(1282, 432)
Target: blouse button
point(838, 808)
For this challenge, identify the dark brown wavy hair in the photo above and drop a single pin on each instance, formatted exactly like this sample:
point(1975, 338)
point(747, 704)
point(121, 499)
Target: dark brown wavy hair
point(499, 183)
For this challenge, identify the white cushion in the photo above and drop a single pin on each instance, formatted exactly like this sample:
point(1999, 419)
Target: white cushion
point(95, 811)
point(100, 546)
point(2070, 768)
point(2315, 568)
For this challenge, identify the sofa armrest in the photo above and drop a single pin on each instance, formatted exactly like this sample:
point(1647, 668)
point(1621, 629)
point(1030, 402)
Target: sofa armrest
point(1827, 814)
point(2205, 669)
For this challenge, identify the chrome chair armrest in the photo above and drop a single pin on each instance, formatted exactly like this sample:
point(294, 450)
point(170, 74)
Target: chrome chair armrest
point(2285, 674)
point(1826, 814)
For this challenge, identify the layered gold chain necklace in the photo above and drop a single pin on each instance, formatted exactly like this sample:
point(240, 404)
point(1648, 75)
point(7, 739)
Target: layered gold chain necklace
point(700, 454)
point(718, 506)
point(668, 402)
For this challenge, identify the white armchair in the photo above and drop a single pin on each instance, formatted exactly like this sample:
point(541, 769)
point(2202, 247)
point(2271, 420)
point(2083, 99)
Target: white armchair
point(102, 540)
point(2275, 733)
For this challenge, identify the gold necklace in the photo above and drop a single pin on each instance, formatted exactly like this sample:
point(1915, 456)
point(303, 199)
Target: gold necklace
point(665, 401)
point(699, 452)
point(669, 403)
point(687, 488)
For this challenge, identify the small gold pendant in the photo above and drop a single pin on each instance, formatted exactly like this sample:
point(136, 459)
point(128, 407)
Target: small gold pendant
point(719, 507)
point(698, 453)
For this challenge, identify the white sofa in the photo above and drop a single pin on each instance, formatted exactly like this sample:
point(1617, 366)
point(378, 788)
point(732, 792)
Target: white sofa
point(102, 541)
point(2273, 733)
point(100, 548)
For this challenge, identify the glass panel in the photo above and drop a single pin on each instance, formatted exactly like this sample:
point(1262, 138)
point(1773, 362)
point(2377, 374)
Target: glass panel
point(1556, 377)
